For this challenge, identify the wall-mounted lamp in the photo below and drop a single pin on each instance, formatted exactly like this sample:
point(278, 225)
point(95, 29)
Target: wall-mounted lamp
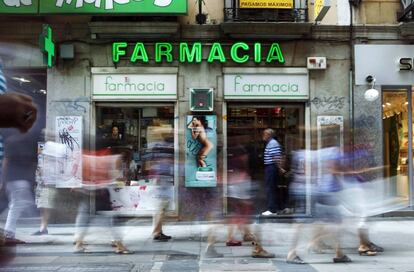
point(371, 94)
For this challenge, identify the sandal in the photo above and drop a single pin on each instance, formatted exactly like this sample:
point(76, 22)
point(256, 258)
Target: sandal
point(296, 260)
point(367, 252)
point(233, 243)
point(343, 259)
point(123, 251)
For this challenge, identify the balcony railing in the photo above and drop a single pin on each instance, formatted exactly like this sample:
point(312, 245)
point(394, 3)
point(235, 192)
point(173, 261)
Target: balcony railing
point(266, 15)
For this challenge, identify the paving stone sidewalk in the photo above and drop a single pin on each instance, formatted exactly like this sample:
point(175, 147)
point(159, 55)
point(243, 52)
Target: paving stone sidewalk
point(184, 253)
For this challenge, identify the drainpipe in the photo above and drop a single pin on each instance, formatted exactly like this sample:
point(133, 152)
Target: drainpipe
point(351, 77)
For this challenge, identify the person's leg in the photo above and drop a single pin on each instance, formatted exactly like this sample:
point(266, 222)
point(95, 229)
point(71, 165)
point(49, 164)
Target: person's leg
point(292, 254)
point(211, 240)
point(158, 219)
point(258, 251)
point(270, 183)
point(82, 222)
point(45, 219)
point(116, 233)
point(21, 198)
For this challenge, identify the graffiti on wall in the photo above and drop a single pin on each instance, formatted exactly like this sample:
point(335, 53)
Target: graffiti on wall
point(329, 103)
point(77, 106)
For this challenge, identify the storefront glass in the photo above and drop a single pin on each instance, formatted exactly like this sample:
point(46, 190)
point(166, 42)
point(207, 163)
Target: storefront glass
point(144, 136)
point(245, 124)
point(397, 137)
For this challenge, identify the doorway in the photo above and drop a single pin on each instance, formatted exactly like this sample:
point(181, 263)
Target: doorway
point(398, 134)
point(245, 124)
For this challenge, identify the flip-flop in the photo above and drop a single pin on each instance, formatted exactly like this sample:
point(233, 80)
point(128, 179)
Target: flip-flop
point(233, 243)
point(125, 251)
point(296, 260)
point(367, 252)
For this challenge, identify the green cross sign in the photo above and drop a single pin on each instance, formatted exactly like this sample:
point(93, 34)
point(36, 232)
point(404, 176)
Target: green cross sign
point(47, 46)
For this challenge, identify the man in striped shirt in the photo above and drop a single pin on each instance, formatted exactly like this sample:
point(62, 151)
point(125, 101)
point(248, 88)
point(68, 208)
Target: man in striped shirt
point(273, 162)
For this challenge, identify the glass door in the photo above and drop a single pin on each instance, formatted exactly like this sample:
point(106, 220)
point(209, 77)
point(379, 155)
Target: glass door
point(245, 124)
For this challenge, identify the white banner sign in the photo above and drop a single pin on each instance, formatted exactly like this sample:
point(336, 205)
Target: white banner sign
point(390, 64)
point(266, 86)
point(133, 86)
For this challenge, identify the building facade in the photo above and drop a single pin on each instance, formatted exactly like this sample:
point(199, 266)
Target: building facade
point(263, 67)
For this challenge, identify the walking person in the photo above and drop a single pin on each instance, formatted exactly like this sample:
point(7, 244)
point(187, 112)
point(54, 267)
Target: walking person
point(273, 166)
point(19, 167)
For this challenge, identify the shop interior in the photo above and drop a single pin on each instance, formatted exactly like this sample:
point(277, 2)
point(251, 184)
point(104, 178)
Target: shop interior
point(144, 137)
point(245, 124)
point(396, 141)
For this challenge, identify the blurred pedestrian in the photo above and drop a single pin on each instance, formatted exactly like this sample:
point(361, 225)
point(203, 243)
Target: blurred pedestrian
point(239, 194)
point(99, 170)
point(326, 189)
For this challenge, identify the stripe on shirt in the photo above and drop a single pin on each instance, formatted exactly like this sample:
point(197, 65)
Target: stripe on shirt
point(272, 152)
point(2, 91)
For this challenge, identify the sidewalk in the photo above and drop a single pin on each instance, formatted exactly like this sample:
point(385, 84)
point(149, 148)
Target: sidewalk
point(185, 252)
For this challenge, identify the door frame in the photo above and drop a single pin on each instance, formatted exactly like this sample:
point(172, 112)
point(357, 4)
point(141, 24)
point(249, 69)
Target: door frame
point(264, 104)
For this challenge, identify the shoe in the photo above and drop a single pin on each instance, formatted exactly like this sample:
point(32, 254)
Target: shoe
point(261, 253)
point(267, 213)
point(343, 259)
point(161, 237)
point(233, 243)
point(13, 241)
point(376, 248)
point(212, 253)
point(40, 232)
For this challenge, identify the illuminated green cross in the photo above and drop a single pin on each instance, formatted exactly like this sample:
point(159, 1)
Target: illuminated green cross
point(46, 45)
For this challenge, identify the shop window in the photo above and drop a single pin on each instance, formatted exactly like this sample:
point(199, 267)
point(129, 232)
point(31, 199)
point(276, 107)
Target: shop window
point(144, 137)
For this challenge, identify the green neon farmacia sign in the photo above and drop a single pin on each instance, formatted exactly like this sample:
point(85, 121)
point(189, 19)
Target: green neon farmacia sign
point(239, 52)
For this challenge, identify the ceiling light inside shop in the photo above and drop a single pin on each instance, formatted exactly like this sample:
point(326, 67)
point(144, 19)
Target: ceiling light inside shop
point(383, 105)
point(388, 104)
point(406, 103)
point(21, 79)
point(43, 91)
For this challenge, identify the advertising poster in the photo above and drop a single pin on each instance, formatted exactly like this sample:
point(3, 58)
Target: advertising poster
point(201, 151)
point(68, 134)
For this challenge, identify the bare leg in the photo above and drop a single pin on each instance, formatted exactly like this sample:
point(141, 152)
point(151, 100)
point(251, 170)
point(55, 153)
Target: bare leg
point(45, 219)
point(230, 232)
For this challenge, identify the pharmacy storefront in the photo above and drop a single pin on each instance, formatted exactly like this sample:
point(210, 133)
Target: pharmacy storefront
point(135, 113)
point(260, 98)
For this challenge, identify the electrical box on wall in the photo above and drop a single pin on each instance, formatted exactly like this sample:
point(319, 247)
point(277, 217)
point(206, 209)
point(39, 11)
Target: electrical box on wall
point(201, 99)
point(316, 63)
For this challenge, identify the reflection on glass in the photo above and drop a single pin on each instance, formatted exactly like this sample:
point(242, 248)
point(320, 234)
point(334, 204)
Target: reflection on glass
point(396, 140)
